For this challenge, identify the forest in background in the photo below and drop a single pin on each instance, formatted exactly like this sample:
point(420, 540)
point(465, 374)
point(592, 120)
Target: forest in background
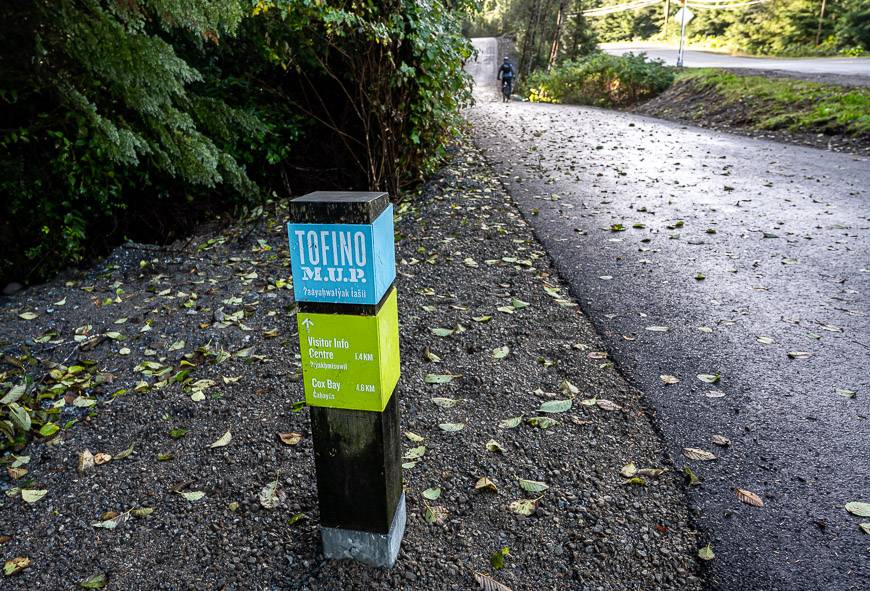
point(135, 119)
point(772, 27)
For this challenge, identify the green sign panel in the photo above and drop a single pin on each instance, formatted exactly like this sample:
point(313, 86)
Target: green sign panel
point(350, 361)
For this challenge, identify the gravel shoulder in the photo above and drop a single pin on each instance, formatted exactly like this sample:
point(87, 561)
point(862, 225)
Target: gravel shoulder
point(221, 307)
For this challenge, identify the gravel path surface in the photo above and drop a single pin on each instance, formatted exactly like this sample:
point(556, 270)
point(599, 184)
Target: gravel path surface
point(189, 516)
point(729, 280)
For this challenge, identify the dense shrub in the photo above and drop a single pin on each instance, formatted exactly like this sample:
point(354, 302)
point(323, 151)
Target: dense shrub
point(132, 119)
point(601, 80)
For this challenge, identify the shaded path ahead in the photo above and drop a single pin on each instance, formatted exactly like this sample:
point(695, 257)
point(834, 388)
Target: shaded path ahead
point(697, 252)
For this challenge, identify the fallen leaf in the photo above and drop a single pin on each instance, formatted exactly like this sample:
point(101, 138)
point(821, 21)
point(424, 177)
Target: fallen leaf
point(440, 378)
point(141, 512)
point(223, 441)
point(628, 471)
point(692, 478)
point(414, 437)
point(435, 515)
point(497, 558)
point(541, 422)
point(500, 352)
point(15, 565)
point(28, 315)
point(706, 553)
point(124, 454)
point(524, 507)
point(451, 427)
point(112, 521)
point(31, 495)
point(102, 458)
point(494, 446)
point(709, 378)
point(533, 486)
point(854, 507)
point(415, 453)
point(604, 404)
point(658, 328)
point(693, 453)
point(487, 583)
point(290, 437)
point(765, 340)
point(193, 495)
point(442, 332)
point(484, 483)
point(749, 497)
point(97, 581)
point(270, 497)
point(799, 355)
point(432, 493)
point(510, 423)
point(865, 527)
point(519, 304)
point(669, 379)
point(568, 388)
point(555, 406)
point(720, 440)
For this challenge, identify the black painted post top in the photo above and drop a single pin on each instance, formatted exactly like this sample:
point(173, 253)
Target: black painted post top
point(338, 207)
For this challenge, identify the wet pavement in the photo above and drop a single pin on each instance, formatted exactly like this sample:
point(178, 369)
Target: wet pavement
point(702, 253)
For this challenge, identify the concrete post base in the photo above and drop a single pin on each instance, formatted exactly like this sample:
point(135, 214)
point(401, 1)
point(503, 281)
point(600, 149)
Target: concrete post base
point(369, 548)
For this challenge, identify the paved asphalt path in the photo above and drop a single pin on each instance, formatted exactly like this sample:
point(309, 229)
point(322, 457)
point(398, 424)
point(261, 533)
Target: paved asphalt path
point(780, 235)
point(849, 66)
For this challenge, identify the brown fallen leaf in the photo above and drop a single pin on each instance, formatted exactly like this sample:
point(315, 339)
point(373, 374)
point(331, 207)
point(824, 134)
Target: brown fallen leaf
point(693, 453)
point(749, 497)
point(485, 483)
point(487, 583)
point(15, 565)
point(607, 404)
point(720, 440)
point(290, 438)
point(102, 458)
point(16, 473)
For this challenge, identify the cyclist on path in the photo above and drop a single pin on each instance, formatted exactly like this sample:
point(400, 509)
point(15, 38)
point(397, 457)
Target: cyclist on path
point(506, 75)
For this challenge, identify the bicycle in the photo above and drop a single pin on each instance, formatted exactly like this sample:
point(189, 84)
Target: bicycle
point(506, 88)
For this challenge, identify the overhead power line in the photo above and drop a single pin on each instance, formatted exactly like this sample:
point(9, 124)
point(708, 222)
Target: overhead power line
point(701, 4)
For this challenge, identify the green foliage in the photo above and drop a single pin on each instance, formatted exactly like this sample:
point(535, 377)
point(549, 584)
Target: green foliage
point(785, 103)
point(133, 119)
point(628, 25)
point(602, 80)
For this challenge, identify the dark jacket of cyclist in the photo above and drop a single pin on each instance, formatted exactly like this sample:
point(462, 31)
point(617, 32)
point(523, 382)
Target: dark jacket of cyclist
point(506, 71)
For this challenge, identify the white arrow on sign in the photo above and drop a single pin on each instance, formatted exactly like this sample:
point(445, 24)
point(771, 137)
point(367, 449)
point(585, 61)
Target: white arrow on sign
point(308, 324)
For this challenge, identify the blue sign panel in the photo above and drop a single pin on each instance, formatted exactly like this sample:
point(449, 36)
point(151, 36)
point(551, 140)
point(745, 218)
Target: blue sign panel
point(343, 263)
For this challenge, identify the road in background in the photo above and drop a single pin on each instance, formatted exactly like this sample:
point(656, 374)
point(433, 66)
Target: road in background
point(700, 253)
point(692, 58)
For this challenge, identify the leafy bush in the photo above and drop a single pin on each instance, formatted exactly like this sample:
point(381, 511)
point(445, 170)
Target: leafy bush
point(601, 80)
point(135, 119)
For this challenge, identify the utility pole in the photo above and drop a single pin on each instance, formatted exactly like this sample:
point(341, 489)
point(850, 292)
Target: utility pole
point(821, 18)
point(683, 11)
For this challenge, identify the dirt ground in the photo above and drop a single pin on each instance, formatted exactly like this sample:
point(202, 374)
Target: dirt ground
point(176, 513)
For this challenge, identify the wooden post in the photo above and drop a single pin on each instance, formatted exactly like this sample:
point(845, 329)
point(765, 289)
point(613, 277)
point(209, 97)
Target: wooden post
point(342, 256)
